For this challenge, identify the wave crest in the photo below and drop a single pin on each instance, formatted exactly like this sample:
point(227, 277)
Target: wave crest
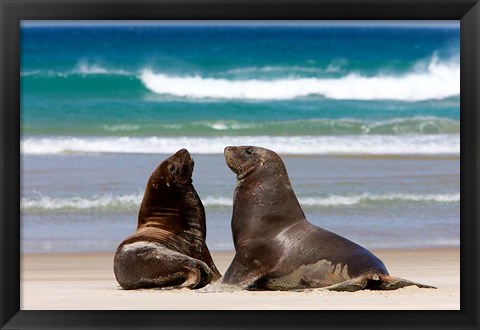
point(438, 80)
point(41, 202)
point(131, 202)
point(300, 145)
point(344, 126)
point(82, 69)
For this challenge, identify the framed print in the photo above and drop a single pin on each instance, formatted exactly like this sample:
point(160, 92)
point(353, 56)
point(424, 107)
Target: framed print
point(239, 164)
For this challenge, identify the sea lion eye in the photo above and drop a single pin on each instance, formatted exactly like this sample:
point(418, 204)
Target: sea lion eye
point(172, 168)
point(249, 151)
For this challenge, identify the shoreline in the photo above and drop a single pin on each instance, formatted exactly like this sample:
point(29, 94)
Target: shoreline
point(80, 281)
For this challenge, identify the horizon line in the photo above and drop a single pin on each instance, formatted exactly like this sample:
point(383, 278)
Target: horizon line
point(252, 23)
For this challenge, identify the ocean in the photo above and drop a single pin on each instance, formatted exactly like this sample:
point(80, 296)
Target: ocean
point(366, 118)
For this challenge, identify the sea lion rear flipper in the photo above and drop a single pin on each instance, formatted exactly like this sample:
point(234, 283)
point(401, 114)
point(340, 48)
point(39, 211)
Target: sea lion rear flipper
point(384, 282)
point(393, 283)
point(206, 274)
point(151, 265)
point(196, 275)
point(356, 284)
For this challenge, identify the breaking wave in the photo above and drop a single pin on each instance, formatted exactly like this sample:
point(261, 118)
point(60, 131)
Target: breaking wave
point(448, 144)
point(130, 202)
point(438, 80)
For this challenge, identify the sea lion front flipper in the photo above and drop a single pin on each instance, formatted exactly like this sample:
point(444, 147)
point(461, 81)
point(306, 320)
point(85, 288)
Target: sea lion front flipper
point(393, 283)
point(251, 262)
point(240, 274)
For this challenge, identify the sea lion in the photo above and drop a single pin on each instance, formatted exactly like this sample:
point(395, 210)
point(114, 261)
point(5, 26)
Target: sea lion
point(168, 248)
point(276, 248)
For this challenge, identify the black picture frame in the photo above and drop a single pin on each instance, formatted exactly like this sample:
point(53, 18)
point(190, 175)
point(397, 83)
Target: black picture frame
point(13, 11)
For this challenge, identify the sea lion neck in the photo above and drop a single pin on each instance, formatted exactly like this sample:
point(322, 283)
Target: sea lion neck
point(173, 209)
point(261, 202)
point(272, 191)
point(246, 173)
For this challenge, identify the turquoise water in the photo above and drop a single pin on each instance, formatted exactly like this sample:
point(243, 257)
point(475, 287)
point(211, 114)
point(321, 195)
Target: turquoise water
point(235, 81)
point(366, 117)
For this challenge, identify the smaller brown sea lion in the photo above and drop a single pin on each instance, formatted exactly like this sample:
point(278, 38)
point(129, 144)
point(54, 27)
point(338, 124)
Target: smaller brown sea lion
point(168, 248)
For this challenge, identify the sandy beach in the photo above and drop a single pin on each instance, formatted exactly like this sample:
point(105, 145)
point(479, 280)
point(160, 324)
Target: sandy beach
point(85, 281)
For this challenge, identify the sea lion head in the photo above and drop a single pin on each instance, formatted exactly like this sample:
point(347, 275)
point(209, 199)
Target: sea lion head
point(175, 171)
point(244, 160)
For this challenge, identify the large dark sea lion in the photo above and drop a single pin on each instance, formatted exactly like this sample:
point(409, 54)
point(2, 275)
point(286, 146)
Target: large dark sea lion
point(168, 249)
point(278, 249)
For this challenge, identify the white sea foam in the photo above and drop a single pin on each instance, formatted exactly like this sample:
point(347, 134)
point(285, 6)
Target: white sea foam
point(42, 202)
point(337, 200)
point(39, 203)
point(347, 200)
point(318, 126)
point(223, 125)
point(123, 127)
point(95, 69)
point(276, 69)
point(437, 80)
point(418, 124)
point(85, 68)
point(82, 68)
point(217, 201)
point(301, 145)
point(43, 73)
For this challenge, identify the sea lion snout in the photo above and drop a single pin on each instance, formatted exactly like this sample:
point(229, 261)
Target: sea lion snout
point(183, 154)
point(181, 165)
point(229, 154)
point(240, 159)
point(243, 160)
